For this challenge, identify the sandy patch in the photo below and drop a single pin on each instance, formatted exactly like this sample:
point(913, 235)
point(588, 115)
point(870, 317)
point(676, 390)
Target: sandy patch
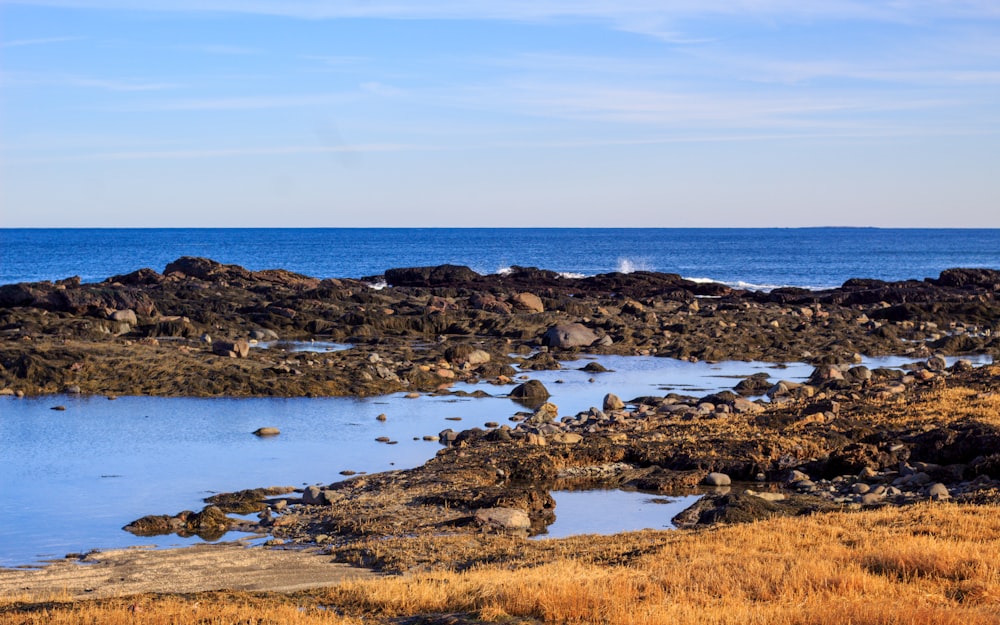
point(191, 569)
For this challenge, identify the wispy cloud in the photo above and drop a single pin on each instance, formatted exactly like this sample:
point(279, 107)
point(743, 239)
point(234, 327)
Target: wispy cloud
point(26, 79)
point(120, 85)
point(209, 153)
point(239, 103)
point(18, 43)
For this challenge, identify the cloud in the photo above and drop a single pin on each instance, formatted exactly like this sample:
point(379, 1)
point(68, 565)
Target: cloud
point(239, 103)
point(208, 153)
point(119, 85)
point(17, 43)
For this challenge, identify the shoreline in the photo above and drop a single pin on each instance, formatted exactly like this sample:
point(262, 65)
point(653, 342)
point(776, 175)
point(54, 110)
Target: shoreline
point(848, 438)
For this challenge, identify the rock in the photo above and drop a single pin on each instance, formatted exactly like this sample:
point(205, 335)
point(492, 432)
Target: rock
point(478, 357)
point(566, 438)
point(532, 389)
point(59, 408)
point(567, 335)
point(757, 384)
point(938, 492)
point(528, 302)
point(490, 303)
point(381, 417)
point(125, 316)
point(505, 519)
point(313, 496)
point(937, 363)
point(717, 479)
point(546, 413)
point(766, 496)
point(231, 349)
point(267, 432)
point(826, 373)
point(612, 402)
point(745, 406)
point(594, 367)
point(536, 440)
point(263, 334)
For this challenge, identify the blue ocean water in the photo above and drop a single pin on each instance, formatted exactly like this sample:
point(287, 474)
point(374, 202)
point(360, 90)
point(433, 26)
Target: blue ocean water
point(767, 257)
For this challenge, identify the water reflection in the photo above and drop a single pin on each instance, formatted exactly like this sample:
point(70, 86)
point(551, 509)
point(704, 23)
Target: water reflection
point(613, 511)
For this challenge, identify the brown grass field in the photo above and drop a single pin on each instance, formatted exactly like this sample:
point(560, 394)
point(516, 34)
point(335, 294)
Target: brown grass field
point(925, 564)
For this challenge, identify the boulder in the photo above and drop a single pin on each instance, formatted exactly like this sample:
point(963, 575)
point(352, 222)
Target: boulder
point(567, 335)
point(528, 302)
point(267, 432)
point(231, 349)
point(613, 402)
point(313, 496)
point(717, 479)
point(532, 389)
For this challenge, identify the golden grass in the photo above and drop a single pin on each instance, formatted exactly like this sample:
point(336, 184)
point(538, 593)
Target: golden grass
point(928, 564)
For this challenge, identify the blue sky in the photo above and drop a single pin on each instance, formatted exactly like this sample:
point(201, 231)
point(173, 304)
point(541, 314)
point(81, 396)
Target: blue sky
point(520, 113)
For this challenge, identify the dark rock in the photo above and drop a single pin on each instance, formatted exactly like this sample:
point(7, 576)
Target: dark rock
point(567, 335)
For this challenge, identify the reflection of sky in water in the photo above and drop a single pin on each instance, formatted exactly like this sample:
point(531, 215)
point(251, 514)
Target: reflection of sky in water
point(71, 479)
point(613, 511)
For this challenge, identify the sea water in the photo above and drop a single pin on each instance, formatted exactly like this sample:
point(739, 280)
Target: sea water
point(757, 258)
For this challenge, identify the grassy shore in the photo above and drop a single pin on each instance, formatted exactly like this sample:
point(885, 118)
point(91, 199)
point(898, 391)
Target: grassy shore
point(933, 563)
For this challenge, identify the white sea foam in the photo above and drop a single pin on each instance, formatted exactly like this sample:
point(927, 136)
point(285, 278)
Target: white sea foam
point(571, 275)
point(628, 265)
point(378, 286)
point(751, 286)
point(504, 271)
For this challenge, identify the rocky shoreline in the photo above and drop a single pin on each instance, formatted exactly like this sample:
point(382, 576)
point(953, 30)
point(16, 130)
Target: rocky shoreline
point(202, 328)
point(849, 438)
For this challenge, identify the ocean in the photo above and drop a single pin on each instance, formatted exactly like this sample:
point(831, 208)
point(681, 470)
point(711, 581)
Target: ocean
point(754, 258)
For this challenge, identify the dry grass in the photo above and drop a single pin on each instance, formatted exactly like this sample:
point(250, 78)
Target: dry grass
point(929, 564)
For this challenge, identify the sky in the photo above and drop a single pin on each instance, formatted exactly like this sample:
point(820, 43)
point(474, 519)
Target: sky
point(564, 113)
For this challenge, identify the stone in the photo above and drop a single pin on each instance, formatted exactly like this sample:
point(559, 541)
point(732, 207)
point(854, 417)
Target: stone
point(717, 479)
point(478, 357)
point(938, 492)
point(528, 302)
point(745, 406)
point(266, 432)
point(567, 335)
point(566, 438)
point(937, 363)
point(505, 519)
point(613, 402)
point(231, 349)
point(532, 389)
point(546, 413)
point(313, 496)
point(263, 334)
point(125, 316)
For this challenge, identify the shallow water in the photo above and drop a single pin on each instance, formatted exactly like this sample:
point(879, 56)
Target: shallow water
point(613, 511)
point(71, 479)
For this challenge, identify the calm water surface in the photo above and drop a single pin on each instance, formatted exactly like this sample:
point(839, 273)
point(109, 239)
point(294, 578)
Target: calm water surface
point(71, 479)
